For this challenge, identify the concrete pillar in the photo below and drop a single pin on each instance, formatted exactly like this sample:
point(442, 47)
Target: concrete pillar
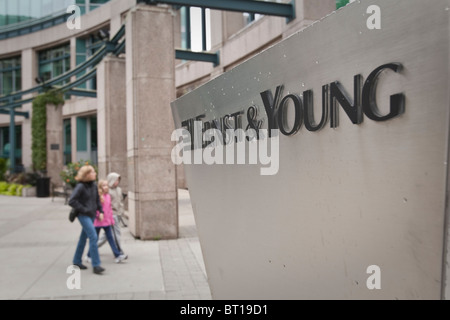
point(54, 143)
point(216, 29)
point(181, 177)
point(73, 55)
point(150, 84)
point(111, 119)
point(29, 59)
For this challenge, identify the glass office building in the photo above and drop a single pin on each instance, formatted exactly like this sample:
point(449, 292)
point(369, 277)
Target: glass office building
point(22, 11)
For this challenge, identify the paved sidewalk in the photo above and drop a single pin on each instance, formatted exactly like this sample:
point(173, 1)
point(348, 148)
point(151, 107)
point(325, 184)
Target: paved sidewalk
point(37, 244)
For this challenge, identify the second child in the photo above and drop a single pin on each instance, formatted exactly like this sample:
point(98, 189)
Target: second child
point(106, 221)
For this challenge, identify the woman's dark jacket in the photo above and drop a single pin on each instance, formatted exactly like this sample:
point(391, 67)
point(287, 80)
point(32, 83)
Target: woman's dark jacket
point(85, 199)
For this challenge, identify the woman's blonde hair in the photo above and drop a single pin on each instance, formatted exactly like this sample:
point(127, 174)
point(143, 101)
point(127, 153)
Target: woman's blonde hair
point(83, 173)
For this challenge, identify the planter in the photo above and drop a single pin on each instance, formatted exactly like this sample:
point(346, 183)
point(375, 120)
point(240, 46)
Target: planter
point(29, 192)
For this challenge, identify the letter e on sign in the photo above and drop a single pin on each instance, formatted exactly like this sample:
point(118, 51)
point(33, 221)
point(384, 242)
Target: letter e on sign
point(374, 281)
point(374, 21)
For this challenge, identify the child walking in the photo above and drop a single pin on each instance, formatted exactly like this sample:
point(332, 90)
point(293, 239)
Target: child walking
point(106, 222)
point(117, 207)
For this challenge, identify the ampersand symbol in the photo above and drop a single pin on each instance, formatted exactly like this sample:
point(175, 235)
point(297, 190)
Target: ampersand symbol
point(253, 122)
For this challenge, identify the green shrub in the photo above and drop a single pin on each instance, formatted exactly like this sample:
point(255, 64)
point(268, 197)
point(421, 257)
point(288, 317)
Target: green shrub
point(11, 189)
point(3, 187)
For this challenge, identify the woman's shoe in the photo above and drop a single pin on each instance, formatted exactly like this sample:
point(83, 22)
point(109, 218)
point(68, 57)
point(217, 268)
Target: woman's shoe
point(81, 266)
point(98, 270)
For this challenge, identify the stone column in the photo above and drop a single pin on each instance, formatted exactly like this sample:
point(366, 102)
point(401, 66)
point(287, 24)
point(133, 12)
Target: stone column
point(111, 119)
point(29, 59)
point(150, 83)
point(54, 143)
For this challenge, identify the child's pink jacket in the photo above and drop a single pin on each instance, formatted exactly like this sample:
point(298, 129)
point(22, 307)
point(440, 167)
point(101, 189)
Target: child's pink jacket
point(108, 219)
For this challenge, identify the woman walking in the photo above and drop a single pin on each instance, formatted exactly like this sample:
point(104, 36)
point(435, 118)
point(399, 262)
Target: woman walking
point(86, 201)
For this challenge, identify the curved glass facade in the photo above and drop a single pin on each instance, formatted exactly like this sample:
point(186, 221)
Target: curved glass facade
point(19, 11)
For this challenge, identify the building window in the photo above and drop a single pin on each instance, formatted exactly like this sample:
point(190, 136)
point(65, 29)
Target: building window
point(87, 139)
point(54, 62)
point(195, 28)
point(250, 17)
point(67, 135)
point(5, 146)
point(87, 47)
point(10, 75)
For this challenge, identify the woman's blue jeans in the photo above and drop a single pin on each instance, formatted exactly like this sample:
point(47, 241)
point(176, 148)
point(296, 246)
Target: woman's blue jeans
point(90, 233)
